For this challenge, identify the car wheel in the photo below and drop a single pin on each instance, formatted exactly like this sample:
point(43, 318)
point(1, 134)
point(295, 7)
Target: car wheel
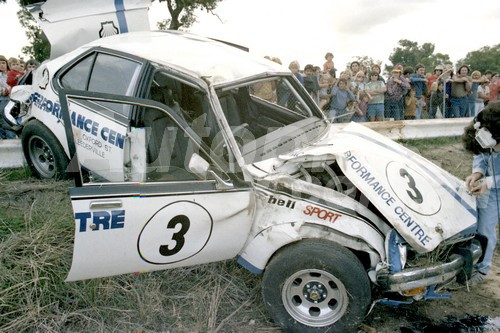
point(316, 286)
point(43, 152)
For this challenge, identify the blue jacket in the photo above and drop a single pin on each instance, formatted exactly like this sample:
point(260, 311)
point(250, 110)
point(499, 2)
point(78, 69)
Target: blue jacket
point(420, 84)
point(485, 163)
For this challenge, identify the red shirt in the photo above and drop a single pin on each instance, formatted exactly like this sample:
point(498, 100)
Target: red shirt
point(13, 76)
point(430, 80)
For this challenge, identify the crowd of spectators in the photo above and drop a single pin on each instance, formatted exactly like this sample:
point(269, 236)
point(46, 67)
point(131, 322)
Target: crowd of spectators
point(358, 93)
point(11, 70)
point(362, 94)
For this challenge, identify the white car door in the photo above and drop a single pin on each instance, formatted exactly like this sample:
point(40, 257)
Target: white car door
point(161, 215)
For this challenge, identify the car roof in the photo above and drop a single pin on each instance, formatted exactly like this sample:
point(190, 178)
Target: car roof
point(192, 54)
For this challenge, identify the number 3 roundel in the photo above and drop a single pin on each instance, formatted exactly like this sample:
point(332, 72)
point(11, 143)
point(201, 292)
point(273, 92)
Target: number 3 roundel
point(413, 189)
point(176, 232)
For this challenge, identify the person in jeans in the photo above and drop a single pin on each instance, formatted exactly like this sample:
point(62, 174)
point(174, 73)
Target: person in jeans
point(376, 89)
point(397, 87)
point(419, 81)
point(437, 99)
point(461, 85)
point(484, 182)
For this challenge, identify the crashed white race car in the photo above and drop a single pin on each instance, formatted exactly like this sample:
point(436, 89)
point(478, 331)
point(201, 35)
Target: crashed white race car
point(187, 151)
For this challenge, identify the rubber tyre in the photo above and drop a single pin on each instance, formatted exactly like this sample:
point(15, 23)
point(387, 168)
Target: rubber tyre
point(347, 294)
point(43, 152)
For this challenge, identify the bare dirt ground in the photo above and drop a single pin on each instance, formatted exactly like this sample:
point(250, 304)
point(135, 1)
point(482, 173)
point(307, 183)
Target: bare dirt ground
point(470, 308)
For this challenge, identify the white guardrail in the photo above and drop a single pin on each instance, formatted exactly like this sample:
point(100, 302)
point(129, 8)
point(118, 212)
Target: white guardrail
point(11, 152)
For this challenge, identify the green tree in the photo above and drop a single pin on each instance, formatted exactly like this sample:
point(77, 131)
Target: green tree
point(486, 58)
point(182, 12)
point(39, 46)
point(366, 61)
point(409, 53)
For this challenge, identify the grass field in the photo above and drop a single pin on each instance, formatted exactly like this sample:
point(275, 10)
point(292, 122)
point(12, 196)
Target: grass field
point(36, 235)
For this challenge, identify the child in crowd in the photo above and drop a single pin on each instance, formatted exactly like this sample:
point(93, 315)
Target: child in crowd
point(360, 111)
point(376, 89)
point(15, 72)
point(326, 82)
point(294, 67)
point(32, 64)
point(341, 96)
point(4, 87)
point(437, 99)
point(485, 181)
point(411, 104)
point(358, 84)
point(328, 65)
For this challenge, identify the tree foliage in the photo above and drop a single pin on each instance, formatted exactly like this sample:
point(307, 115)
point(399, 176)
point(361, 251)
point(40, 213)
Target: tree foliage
point(409, 53)
point(39, 46)
point(486, 58)
point(366, 61)
point(182, 12)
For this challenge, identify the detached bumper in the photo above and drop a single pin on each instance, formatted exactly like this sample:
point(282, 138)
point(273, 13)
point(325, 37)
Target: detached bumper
point(413, 278)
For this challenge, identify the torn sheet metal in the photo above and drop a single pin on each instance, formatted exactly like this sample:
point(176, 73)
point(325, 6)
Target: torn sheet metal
point(69, 24)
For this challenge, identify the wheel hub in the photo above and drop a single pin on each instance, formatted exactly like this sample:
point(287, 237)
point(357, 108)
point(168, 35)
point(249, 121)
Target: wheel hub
point(314, 297)
point(315, 292)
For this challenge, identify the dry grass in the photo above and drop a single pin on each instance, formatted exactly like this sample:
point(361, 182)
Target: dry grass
point(36, 235)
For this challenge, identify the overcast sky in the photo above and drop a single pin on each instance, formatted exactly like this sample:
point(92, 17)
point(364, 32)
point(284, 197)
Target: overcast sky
point(305, 31)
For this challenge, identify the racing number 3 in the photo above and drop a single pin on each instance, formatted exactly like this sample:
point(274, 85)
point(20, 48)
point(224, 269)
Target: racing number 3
point(414, 193)
point(178, 237)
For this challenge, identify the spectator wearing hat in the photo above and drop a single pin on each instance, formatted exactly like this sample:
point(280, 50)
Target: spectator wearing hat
point(438, 70)
point(397, 87)
point(419, 81)
point(460, 87)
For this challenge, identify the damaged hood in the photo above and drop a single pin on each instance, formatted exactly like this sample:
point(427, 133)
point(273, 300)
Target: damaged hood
point(69, 24)
point(423, 202)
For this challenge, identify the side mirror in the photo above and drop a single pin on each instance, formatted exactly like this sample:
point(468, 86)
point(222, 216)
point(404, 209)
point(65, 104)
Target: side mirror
point(200, 167)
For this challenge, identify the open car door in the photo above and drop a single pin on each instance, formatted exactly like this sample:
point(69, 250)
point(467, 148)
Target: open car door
point(160, 214)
